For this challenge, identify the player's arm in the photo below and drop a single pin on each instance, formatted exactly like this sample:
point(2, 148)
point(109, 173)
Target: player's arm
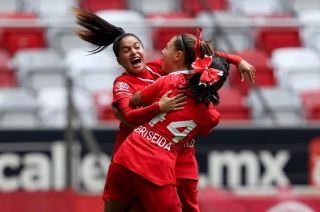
point(133, 115)
point(242, 65)
point(166, 104)
point(153, 91)
point(122, 91)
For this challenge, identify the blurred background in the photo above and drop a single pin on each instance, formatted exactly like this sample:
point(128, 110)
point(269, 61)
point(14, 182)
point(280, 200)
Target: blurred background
point(57, 127)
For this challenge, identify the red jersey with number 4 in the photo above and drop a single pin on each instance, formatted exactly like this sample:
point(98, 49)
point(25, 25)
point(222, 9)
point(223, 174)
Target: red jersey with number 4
point(151, 149)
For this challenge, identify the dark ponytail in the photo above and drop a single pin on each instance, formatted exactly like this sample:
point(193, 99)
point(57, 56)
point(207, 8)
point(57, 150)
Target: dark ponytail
point(98, 31)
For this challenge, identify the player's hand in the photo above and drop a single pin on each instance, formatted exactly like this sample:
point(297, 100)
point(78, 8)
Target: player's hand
point(169, 104)
point(246, 68)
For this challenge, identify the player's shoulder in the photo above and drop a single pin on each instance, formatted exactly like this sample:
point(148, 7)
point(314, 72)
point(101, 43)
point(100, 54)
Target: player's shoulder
point(123, 77)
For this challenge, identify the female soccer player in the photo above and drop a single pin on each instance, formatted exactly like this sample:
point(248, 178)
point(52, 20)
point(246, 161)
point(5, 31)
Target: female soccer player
point(135, 79)
point(144, 165)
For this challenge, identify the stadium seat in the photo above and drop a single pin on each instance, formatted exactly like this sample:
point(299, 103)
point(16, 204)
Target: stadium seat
point(13, 39)
point(97, 5)
point(18, 108)
point(193, 7)
point(161, 35)
point(311, 104)
point(310, 33)
point(53, 103)
point(232, 105)
point(296, 6)
point(55, 9)
point(147, 7)
point(129, 20)
point(64, 39)
point(7, 74)
point(254, 7)
point(39, 68)
point(275, 106)
point(9, 6)
point(270, 38)
point(102, 101)
point(263, 78)
point(231, 39)
point(296, 69)
point(92, 72)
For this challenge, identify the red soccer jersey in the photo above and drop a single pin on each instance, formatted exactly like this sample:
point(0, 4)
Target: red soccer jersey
point(149, 150)
point(124, 87)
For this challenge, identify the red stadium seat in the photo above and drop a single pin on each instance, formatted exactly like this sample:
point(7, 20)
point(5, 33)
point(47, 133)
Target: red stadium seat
point(102, 101)
point(7, 75)
point(311, 104)
point(269, 38)
point(97, 5)
point(17, 38)
point(232, 105)
point(264, 76)
point(195, 6)
point(161, 35)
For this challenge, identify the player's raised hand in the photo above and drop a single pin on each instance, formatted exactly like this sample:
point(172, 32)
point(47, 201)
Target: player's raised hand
point(246, 68)
point(168, 104)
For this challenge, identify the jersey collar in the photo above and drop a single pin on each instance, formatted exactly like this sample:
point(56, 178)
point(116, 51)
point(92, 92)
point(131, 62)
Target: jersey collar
point(182, 72)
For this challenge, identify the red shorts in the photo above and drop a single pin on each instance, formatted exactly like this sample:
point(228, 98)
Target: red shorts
point(126, 186)
point(188, 194)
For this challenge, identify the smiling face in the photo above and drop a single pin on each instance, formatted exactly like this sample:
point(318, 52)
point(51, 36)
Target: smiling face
point(131, 55)
point(171, 56)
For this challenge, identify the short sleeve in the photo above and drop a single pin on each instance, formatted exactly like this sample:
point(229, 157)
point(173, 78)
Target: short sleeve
point(231, 58)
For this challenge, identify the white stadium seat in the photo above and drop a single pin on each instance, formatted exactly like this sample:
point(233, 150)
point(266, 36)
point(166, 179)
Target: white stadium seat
point(296, 69)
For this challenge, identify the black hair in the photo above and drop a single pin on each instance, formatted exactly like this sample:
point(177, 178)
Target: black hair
point(201, 93)
point(99, 32)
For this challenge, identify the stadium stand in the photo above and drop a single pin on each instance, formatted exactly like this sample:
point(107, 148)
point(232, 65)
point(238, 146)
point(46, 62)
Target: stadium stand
point(310, 33)
point(233, 25)
point(253, 7)
point(260, 60)
point(296, 6)
point(149, 7)
point(9, 6)
point(232, 105)
point(193, 7)
point(54, 9)
point(311, 104)
point(39, 68)
point(52, 103)
point(131, 21)
point(18, 108)
point(102, 100)
point(297, 69)
point(92, 72)
point(275, 106)
point(13, 39)
point(233, 38)
point(7, 73)
point(96, 5)
point(161, 35)
point(270, 38)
